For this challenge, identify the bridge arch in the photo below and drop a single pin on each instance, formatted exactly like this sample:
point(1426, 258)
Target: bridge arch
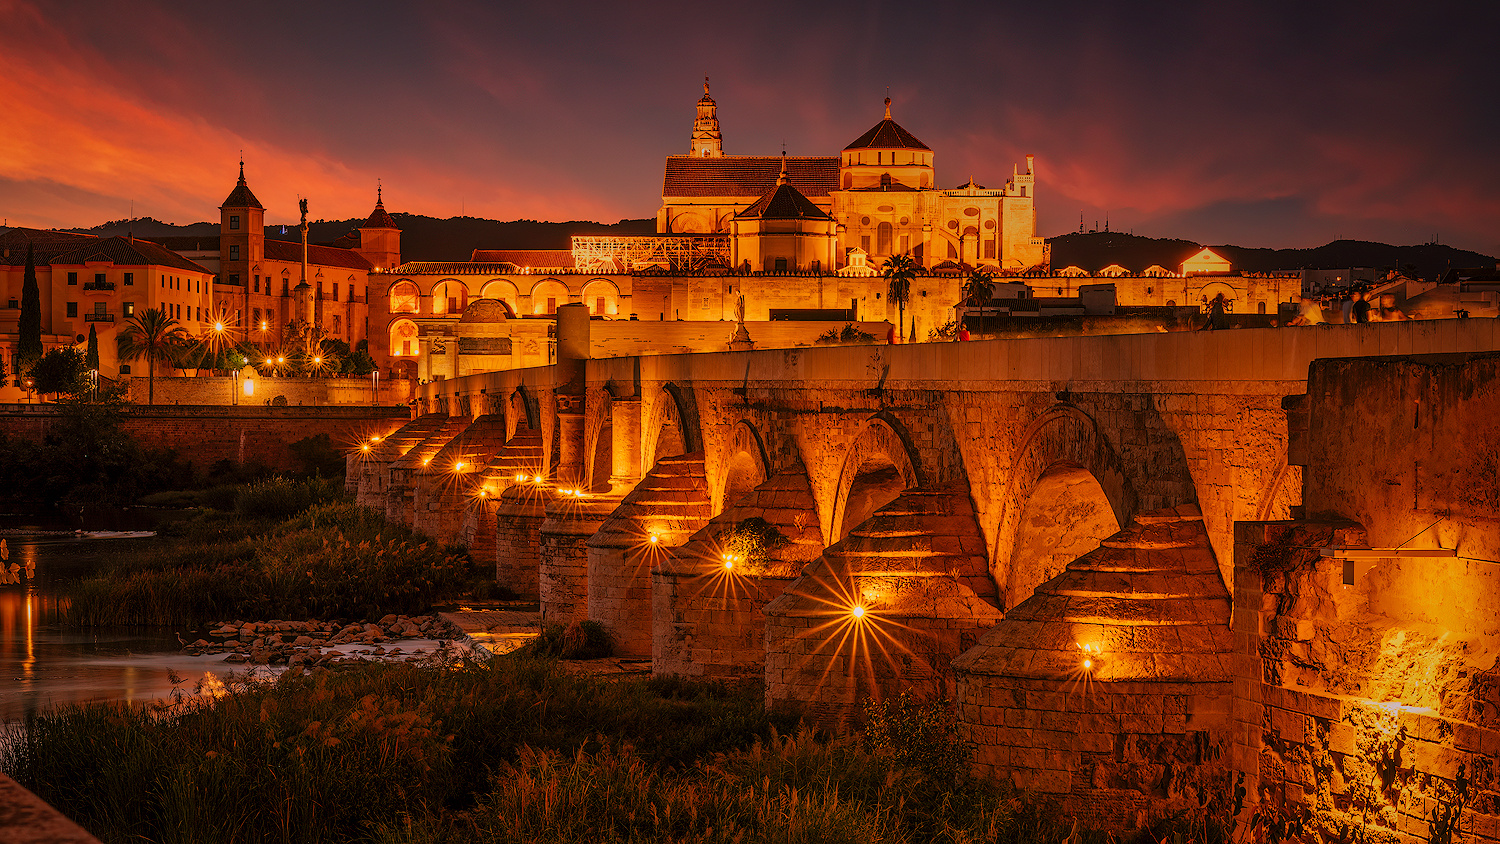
point(672, 428)
point(880, 465)
point(598, 446)
point(742, 467)
point(522, 412)
point(1067, 491)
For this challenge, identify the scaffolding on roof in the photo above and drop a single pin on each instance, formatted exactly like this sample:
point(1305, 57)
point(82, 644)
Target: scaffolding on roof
point(627, 253)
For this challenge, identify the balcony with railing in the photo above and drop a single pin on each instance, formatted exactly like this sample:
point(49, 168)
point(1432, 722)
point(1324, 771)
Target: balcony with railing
point(97, 317)
point(98, 286)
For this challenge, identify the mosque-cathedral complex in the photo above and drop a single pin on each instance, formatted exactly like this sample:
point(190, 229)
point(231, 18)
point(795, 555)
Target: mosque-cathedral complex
point(802, 239)
point(1157, 573)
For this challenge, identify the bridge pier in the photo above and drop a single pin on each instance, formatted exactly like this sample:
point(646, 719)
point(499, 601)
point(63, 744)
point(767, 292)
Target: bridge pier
point(563, 570)
point(447, 489)
point(708, 596)
point(515, 464)
point(369, 464)
point(668, 505)
point(883, 611)
point(1110, 687)
point(401, 476)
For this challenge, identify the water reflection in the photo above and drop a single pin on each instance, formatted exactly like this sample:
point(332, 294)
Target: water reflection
point(44, 663)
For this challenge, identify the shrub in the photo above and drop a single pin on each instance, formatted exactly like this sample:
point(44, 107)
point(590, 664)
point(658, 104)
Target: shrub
point(178, 499)
point(579, 640)
point(272, 498)
point(919, 734)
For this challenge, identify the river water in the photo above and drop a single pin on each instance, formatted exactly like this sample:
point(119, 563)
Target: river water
point(44, 663)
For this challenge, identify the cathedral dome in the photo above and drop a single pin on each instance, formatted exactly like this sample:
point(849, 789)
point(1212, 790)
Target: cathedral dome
point(486, 310)
point(887, 134)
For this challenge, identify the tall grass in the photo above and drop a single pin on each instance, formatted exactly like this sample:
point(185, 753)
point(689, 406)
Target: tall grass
point(329, 561)
point(321, 758)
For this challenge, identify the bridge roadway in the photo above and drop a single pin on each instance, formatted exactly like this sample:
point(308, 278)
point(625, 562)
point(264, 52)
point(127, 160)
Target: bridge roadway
point(918, 494)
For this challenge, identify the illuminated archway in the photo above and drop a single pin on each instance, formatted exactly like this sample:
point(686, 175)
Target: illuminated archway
point(450, 296)
point(878, 466)
point(547, 295)
point(602, 297)
point(1066, 515)
point(1061, 459)
point(672, 427)
point(405, 298)
point(505, 291)
point(403, 336)
point(742, 467)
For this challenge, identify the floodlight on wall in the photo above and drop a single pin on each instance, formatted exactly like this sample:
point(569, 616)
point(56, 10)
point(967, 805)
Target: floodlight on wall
point(1351, 555)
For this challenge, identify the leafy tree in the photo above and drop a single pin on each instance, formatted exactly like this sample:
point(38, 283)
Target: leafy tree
point(29, 346)
point(61, 370)
point(91, 360)
point(978, 293)
point(359, 362)
point(898, 275)
point(154, 336)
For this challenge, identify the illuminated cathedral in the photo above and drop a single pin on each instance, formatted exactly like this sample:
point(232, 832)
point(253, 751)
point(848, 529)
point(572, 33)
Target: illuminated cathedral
point(877, 198)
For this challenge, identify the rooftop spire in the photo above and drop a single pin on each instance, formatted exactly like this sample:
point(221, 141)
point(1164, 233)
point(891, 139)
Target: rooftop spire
point(242, 167)
point(379, 200)
point(887, 107)
point(705, 86)
point(782, 179)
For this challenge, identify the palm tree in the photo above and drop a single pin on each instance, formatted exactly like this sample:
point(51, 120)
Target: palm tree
point(978, 293)
point(156, 337)
point(898, 275)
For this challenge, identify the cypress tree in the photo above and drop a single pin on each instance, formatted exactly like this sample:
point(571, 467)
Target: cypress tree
point(29, 346)
point(91, 360)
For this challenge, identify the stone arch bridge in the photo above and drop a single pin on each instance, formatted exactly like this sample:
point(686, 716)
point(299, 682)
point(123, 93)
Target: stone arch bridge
point(848, 522)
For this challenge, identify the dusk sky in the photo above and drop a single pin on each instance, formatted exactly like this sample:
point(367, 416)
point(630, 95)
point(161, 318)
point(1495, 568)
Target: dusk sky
point(1258, 124)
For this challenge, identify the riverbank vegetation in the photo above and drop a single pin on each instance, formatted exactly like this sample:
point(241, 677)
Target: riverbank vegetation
point(288, 550)
point(519, 750)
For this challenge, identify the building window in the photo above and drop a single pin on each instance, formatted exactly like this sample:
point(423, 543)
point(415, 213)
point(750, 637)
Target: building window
point(335, 291)
point(124, 369)
point(129, 279)
point(99, 308)
point(403, 298)
point(285, 286)
point(72, 278)
point(257, 284)
point(337, 324)
point(99, 278)
point(234, 252)
point(127, 308)
point(551, 305)
point(234, 222)
point(234, 278)
point(989, 249)
point(780, 268)
point(864, 243)
point(883, 239)
point(72, 309)
point(598, 304)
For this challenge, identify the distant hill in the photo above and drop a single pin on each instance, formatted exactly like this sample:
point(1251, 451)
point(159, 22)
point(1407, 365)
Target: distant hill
point(456, 238)
point(422, 238)
point(1096, 250)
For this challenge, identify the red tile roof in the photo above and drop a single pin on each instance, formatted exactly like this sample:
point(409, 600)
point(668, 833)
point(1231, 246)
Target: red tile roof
point(323, 256)
point(887, 134)
point(13, 244)
point(525, 257)
point(126, 252)
point(747, 175)
point(379, 219)
point(241, 197)
point(783, 203)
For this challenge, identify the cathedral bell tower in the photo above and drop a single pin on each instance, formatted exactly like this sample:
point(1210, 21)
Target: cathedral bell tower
point(707, 142)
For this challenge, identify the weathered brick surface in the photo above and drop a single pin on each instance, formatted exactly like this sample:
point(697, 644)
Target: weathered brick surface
point(563, 570)
point(205, 435)
point(668, 505)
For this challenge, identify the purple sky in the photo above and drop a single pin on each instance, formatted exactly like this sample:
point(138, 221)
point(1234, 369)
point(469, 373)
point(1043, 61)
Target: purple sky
point(1259, 124)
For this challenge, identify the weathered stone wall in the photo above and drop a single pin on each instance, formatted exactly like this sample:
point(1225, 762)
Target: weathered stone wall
point(205, 435)
point(298, 392)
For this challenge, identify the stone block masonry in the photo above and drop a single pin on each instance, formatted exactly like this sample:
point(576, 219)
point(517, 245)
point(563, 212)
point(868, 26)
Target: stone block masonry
point(206, 434)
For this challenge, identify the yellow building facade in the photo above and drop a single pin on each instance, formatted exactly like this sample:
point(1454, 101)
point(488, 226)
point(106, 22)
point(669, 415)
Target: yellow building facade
point(880, 191)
